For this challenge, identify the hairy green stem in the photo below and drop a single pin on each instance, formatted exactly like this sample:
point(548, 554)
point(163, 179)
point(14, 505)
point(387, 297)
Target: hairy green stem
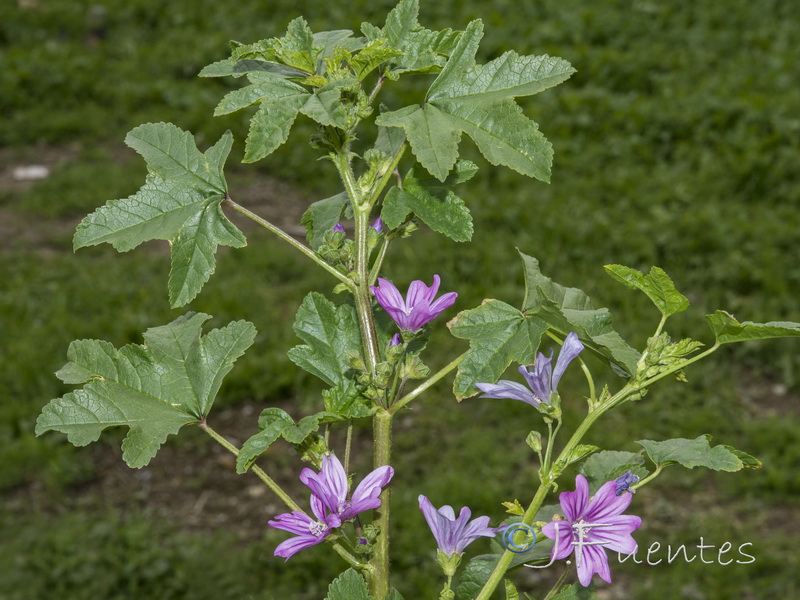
point(379, 579)
point(369, 336)
point(290, 240)
point(649, 478)
point(378, 262)
point(427, 384)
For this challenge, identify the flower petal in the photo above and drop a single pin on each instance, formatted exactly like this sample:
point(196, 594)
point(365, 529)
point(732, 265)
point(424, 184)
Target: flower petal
point(616, 535)
point(418, 294)
point(293, 545)
point(606, 503)
point(365, 496)
point(293, 522)
point(574, 503)
point(593, 560)
point(561, 533)
point(336, 479)
point(508, 389)
point(569, 351)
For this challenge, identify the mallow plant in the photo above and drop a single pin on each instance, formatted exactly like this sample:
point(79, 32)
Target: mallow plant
point(365, 334)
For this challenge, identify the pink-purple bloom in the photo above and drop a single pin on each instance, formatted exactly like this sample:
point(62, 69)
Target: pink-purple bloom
point(590, 525)
point(396, 340)
point(339, 227)
point(454, 534)
point(543, 381)
point(418, 308)
point(378, 225)
point(329, 503)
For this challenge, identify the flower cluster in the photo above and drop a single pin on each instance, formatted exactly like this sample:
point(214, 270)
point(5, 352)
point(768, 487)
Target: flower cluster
point(329, 504)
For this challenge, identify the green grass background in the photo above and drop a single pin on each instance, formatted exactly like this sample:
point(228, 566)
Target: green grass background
point(677, 144)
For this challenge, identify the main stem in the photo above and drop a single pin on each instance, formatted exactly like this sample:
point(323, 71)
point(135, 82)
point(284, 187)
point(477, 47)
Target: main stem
point(379, 581)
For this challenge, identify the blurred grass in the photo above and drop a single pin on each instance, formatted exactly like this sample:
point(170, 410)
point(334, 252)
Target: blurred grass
point(676, 144)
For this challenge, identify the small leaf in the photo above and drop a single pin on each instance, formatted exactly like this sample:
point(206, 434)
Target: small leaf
point(499, 335)
point(269, 128)
point(330, 332)
point(569, 309)
point(322, 216)
point(656, 284)
point(697, 453)
point(348, 586)
point(728, 330)
point(514, 508)
point(577, 454)
point(443, 212)
point(345, 401)
point(154, 389)
point(394, 595)
point(375, 53)
point(609, 464)
point(259, 443)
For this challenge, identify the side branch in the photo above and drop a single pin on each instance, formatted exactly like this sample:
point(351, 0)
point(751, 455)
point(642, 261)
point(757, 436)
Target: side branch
point(290, 240)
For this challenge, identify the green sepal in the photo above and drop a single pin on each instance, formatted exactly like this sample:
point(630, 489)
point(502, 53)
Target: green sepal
point(323, 216)
point(511, 591)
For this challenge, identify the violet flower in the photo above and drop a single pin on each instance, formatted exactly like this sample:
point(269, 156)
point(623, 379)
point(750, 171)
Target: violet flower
point(330, 486)
point(339, 227)
point(418, 308)
point(592, 524)
point(377, 225)
point(308, 532)
point(396, 340)
point(543, 381)
point(454, 534)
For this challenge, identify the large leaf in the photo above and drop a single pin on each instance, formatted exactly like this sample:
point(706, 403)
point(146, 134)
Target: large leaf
point(179, 202)
point(154, 389)
point(698, 453)
point(656, 284)
point(436, 205)
point(729, 330)
point(569, 309)
point(478, 100)
point(331, 333)
point(475, 575)
point(499, 334)
point(350, 585)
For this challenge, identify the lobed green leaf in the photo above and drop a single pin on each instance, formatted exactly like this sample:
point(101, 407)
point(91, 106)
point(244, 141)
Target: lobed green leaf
point(609, 465)
point(569, 309)
point(499, 334)
point(728, 330)
point(154, 389)
point(656, 284)
point(350, 585)
point(697, 453)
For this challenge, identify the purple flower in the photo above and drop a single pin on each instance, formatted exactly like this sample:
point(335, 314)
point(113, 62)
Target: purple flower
point(308, 532)
point(543, 381)
point(378, 225)
point(624, 483)
point(418, 307)
point(592, 524)
point(330, 486)
point(396, 339)
point(454, 534)
point(339, 227)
